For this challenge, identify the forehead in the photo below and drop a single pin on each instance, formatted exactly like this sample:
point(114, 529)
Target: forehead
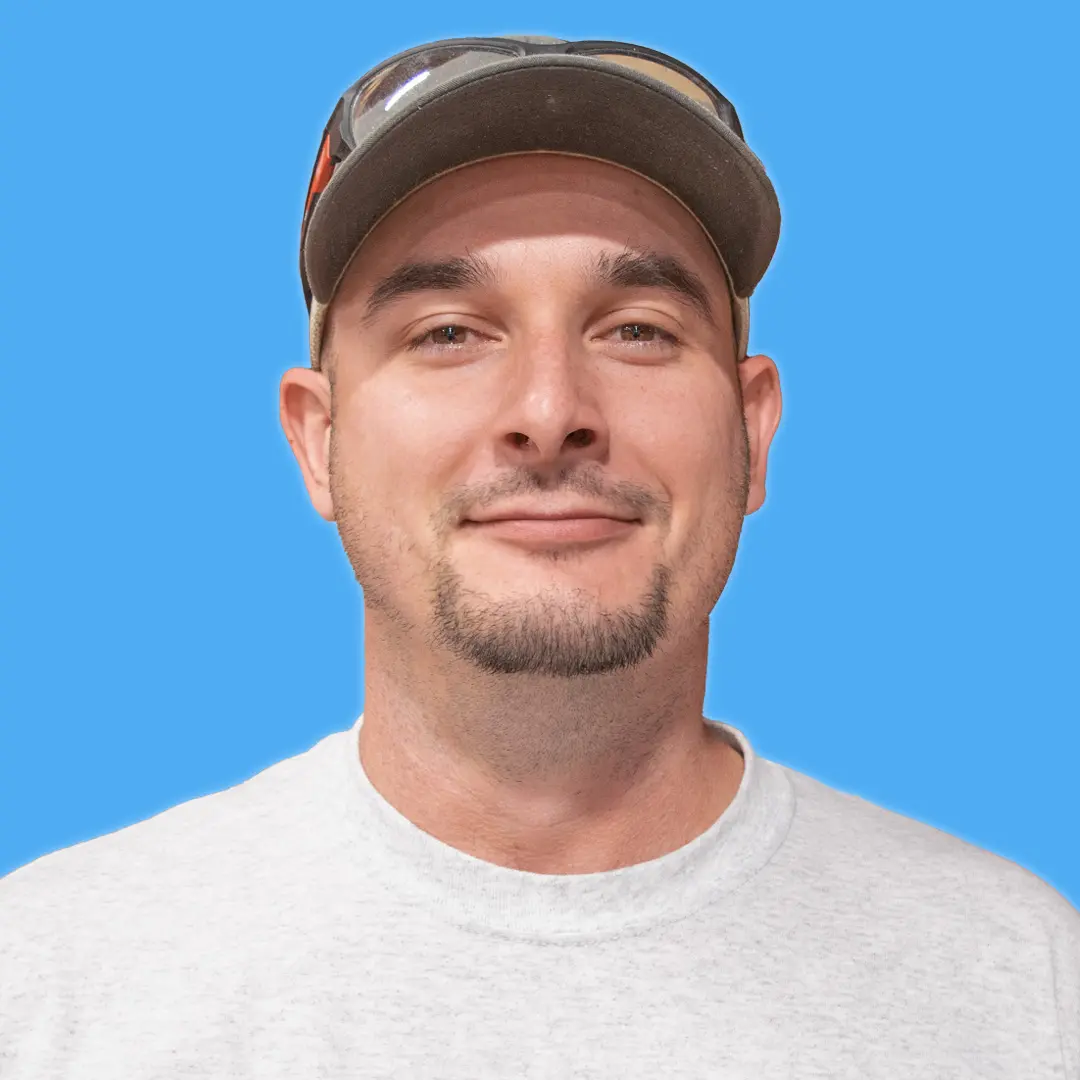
point(533, 203)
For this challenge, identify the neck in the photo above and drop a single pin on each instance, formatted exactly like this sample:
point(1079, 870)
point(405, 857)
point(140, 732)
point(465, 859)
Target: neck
point(550, 775)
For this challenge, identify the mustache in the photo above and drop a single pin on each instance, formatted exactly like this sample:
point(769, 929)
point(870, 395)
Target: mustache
point(624, 495)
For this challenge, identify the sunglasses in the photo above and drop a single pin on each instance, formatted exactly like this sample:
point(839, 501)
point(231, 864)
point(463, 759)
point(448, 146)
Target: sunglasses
point(370, 98)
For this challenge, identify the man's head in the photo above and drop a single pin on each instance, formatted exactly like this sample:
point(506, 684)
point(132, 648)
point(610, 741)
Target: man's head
point(530, 409)
point(528, 336)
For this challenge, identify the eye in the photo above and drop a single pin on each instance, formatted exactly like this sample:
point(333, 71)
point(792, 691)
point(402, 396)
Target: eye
point(450, 335)
point(638, 332)
point(643, 334)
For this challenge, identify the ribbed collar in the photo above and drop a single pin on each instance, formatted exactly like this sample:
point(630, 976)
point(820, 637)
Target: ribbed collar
point(484, 897)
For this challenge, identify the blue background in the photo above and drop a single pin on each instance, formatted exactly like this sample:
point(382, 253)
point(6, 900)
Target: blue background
point(901, 620)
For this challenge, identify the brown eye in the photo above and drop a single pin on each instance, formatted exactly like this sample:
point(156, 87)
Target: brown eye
point(447, 335)
point(441, 341)
point(638, 332)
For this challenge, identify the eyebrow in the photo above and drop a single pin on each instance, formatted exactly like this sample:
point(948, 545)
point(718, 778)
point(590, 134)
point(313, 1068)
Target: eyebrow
point(628, 270)
point(651, 270)
point(461, 272)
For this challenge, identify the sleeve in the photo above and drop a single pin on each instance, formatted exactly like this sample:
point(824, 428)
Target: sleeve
point(32, 1002)
point(1065, 952)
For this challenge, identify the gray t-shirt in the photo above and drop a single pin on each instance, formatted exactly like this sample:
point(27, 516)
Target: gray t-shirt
point(297, 926)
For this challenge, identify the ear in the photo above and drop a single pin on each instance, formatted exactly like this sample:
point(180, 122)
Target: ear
point(305, 419)
point(761, 409)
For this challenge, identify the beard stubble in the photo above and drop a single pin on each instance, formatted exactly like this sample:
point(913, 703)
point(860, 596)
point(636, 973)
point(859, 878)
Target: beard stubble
point(553, 633)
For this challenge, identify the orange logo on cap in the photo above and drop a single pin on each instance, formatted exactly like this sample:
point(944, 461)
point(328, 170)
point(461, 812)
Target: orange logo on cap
point(324, 169)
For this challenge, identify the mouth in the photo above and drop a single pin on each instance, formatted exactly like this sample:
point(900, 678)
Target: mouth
point(553, 530)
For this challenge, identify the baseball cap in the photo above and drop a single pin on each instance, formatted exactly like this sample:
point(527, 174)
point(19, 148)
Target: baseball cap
point(446, 104)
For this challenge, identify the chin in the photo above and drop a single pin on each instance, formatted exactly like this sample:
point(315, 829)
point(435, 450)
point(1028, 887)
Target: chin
point(558, 629)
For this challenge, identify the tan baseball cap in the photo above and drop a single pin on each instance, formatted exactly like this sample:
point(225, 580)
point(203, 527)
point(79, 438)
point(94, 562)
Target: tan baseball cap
point(444, 105)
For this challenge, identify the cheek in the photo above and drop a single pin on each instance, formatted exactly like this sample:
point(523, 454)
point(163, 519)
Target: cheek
point(688, 440)
point(399, 450)
point(688, 433)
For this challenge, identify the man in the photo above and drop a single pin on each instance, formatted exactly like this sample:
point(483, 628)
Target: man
point(531, 413)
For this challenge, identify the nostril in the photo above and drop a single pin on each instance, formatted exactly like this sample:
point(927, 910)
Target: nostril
point(581, 437)
point(518, 439)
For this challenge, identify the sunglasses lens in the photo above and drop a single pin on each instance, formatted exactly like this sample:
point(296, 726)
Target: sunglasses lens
point(394, 83)
point(662, 74)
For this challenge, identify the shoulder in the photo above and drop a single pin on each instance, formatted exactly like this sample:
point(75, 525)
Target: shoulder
point(185, 859)
point(922, 871)
point(913, 908)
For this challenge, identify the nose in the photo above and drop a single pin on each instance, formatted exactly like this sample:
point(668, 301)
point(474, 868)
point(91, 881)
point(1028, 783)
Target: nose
point(550, 409)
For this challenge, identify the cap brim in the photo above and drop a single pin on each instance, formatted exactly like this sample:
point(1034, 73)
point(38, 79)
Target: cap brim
point(567, 104)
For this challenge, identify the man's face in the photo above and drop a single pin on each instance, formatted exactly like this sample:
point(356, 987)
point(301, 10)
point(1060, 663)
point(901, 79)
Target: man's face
point(538, 459)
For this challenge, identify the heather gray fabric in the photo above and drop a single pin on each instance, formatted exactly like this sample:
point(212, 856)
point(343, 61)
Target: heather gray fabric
point(297, 926)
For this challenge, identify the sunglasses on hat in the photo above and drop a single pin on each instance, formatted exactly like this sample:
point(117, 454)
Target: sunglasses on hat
point(366, 102)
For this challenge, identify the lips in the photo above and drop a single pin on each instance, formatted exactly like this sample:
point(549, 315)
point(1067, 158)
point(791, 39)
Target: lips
point(535, 528)
point(525, 513)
